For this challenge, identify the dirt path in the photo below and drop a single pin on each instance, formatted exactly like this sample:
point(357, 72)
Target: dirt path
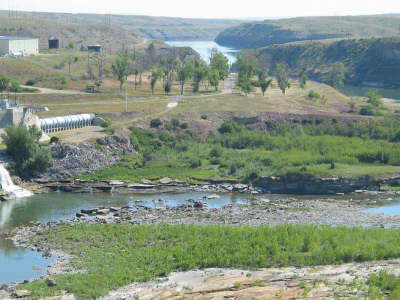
point(53, 91)
point(80, 135)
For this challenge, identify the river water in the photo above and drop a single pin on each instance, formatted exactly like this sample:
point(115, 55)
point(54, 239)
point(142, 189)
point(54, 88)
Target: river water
point(17, 264)
point(204, 49)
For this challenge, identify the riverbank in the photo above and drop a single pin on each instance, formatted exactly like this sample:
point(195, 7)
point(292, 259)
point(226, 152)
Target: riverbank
point(89, 242)
point(258, 211)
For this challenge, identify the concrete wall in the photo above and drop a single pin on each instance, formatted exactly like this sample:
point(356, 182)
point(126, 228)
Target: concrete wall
point(4, 47)
point(27, 47)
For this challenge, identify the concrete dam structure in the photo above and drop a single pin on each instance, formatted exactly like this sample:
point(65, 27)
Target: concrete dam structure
point(66, 122)
point(15, 115)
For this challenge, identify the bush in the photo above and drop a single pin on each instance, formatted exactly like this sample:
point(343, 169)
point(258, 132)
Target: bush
point(155, 123)
point(230, 127)
point(54, 140)
point(105, 123)
point(15, 87)
point(314, 95)
point(31, 82)
point(367, 111)
point(23, 146)
point(204, 117)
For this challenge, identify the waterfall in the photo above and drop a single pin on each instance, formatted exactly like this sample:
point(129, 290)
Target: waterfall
point(9, 187)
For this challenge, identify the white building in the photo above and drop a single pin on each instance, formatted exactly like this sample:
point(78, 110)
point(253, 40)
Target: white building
point(18, 46)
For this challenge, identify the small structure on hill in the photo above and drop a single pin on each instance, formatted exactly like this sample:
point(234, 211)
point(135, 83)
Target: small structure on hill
point(95, 48)
point(18, 46)
point(54, 43)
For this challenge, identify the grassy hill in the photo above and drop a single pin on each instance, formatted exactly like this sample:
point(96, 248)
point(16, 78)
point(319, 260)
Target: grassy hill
point(161, 28)
point(112, 37)
point(269, 32)
point(370, 62)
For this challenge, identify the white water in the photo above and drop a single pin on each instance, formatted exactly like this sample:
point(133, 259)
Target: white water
point(9, 187)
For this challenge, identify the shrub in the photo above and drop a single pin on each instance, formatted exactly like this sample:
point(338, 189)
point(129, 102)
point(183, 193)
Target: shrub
point(54, 140)
point(314, 95)
point(204, 117)
point(23, 146)
point(230, 127)
point(105, 123)
point(367, 111)
point(15, 87)
point(31, 82)
point(155, 123)
point(194, 162)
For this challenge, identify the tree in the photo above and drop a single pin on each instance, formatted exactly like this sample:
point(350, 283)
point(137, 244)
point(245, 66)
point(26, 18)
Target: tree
point(15, 87)
point(264, 85)
point(303, 78)
point(4, 83)
point(337, 74)
point(120, 68)
point(213, 78)
point(167, 87)
point(246, 72)
point(155, 75)
point(63, 81)
point(200, 72)
point(136, 74)
point(282, 78)
point(184, 72)
point(70, 61)
point(22, 145)
point(374, 98)
point(220, 63)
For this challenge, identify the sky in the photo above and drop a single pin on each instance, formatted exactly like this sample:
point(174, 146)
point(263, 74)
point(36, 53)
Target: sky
point(210, 8)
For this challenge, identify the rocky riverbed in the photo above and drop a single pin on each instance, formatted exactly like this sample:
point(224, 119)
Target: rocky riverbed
point(258, 211)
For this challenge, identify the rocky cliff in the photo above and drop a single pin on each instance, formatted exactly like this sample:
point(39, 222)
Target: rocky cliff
point(368, 62)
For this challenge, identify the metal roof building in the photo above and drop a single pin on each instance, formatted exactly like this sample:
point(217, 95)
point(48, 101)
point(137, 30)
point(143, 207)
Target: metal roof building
point(18, 45)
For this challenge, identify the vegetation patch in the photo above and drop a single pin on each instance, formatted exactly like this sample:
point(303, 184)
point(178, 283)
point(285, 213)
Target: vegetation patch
point(117, 255)
point(305, 148)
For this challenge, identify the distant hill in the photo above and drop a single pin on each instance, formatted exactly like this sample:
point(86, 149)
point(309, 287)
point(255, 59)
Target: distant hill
point(260, 34)
point(112, 37)
point(161, 28)
point(368, 62)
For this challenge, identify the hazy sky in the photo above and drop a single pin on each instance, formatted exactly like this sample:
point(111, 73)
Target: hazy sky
point(211, 8)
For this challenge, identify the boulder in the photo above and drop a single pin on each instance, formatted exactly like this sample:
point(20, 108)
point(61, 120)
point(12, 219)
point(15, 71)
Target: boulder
point(116, 182)
point(51, 282)
point(103, 211)
point(166, 180)
point(21, 293)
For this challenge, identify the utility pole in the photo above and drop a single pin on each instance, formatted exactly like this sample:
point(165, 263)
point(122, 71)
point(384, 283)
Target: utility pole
point(126, 101)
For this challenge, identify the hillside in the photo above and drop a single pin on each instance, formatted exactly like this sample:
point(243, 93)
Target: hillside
point(269, 32)
point(370, 62)
point(161, 28)
point(112, 37)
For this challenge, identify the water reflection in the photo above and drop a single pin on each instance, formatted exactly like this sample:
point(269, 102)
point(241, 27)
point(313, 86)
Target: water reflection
point(204, 49)
point(6, 210)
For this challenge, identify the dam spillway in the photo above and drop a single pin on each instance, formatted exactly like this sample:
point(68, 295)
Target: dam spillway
point(66, 122)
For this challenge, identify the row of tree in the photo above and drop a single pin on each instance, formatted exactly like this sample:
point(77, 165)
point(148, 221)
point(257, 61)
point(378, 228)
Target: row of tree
point(171, 70)
point(248, 69)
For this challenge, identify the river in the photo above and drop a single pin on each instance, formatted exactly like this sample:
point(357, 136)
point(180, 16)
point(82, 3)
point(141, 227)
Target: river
point(17, 264)
point(204, 49)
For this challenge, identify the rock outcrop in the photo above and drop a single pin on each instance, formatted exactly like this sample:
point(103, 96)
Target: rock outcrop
point(85, 158)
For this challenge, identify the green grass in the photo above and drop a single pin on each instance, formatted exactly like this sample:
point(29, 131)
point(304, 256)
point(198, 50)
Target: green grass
point(117, 255)
point(384, 283)
point(153, 173)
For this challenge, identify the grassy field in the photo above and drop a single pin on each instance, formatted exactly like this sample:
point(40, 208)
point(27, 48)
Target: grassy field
point(117, 255)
